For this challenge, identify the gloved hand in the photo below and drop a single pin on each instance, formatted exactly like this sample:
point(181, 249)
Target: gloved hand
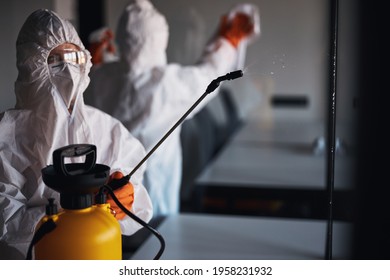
point(125, 195)
point(237, 28)
point(101, 43)
point(241, 22)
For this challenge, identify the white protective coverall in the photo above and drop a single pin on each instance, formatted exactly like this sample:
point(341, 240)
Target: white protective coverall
point(41, 123)
point(149, 95)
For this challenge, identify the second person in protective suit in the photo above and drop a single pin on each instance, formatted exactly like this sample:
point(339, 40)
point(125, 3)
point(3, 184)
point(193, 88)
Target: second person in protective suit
point(148, 95)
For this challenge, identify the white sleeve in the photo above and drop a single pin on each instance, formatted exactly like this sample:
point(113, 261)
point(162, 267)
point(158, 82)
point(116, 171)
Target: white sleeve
point(17, 221)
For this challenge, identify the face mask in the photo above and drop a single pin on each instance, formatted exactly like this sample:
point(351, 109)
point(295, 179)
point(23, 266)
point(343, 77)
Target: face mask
point(68, 79)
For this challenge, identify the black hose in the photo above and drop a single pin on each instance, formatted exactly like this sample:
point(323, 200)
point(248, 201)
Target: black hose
point(138, 220)
point(44, 229)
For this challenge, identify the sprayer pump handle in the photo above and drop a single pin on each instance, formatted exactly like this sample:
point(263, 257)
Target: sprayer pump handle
point(74, 150)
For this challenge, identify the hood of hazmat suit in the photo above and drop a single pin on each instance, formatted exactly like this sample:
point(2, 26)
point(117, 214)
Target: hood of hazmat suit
point(43, 122)
point(149, 95)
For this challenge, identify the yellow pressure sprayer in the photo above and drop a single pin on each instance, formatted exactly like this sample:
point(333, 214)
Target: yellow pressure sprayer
point(85, 227)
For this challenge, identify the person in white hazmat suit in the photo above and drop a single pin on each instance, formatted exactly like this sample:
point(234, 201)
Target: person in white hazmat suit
point(50, 113)
point(149, 95)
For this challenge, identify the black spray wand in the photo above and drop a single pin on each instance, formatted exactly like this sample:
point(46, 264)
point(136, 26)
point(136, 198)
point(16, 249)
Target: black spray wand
point(117, 183)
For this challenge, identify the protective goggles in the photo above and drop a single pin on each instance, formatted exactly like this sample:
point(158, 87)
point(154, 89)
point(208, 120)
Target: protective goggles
point(71, 56)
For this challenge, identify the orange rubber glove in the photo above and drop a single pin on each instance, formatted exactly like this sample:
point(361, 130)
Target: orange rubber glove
point(236, 29)
point(97, 49)
point(125, 195)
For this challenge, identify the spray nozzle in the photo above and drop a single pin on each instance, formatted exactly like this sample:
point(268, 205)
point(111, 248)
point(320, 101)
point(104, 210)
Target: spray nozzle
point(229, 76)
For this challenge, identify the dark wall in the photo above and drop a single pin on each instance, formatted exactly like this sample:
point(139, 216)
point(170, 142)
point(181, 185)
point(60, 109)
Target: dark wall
point(91, 17)
point(372, 235)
